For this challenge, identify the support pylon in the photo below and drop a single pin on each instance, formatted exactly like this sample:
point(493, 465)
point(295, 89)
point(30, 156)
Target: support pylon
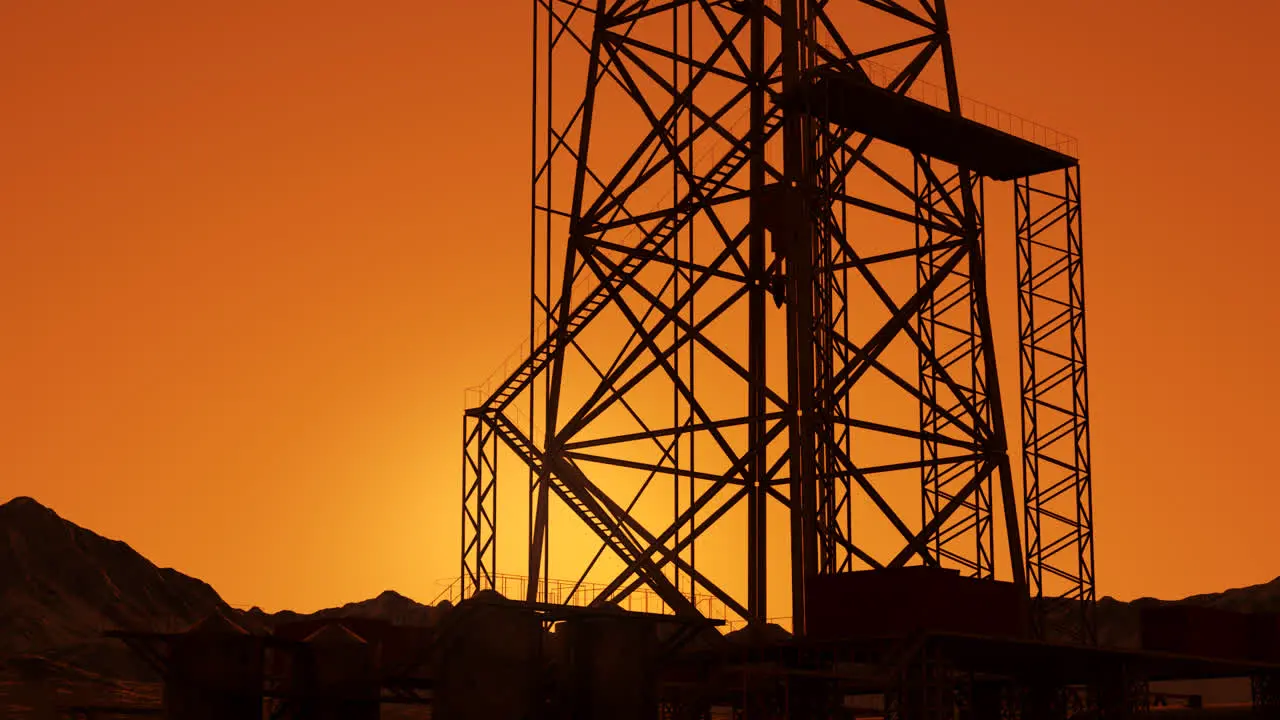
point(759, 302)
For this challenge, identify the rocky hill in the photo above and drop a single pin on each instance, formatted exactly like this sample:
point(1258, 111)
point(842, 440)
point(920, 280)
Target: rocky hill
point(390, 606)
point(1253, 599)
point(62, 586)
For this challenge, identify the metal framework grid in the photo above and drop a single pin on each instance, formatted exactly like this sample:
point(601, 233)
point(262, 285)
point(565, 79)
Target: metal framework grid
point(1057, 478)
point(948, 322)
point(730, 142)
point(479, 504)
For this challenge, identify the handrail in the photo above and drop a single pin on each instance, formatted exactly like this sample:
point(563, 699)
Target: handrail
point(975, 110)
point(557, 592)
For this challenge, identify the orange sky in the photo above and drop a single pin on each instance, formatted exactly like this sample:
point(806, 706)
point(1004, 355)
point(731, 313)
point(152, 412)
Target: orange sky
point(251, 255)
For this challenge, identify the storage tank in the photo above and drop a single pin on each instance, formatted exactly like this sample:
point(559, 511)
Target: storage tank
point(215, 673)
point(490, 661)
point(608, 667)
point(345, 683)
point(332, 666)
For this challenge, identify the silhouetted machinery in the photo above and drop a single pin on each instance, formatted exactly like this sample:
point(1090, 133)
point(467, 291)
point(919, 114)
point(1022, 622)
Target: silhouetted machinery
point(694, 160)
point(760, 321)
point(923, 643)
point(760, 318)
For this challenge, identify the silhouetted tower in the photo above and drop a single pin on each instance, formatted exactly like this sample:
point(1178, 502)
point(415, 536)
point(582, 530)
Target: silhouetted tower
point(759, 310)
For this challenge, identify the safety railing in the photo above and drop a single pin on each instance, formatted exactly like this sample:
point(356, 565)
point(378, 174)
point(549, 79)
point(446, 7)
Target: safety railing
point(975, 110)
point(563, 592)
point(516, 586)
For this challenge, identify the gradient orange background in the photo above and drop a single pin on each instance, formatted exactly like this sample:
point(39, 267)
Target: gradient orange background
point(251, 253)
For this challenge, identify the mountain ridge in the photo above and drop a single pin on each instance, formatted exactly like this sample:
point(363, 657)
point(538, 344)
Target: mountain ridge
point(62, 585)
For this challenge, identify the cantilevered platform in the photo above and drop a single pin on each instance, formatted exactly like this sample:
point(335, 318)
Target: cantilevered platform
point(844, 99)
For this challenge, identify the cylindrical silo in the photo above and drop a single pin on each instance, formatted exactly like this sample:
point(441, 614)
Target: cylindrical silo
point(490, 663)
point(345, 680)
point(607, 669)
point(215, 673)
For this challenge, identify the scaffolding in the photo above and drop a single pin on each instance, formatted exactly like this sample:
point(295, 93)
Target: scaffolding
point(758, 303)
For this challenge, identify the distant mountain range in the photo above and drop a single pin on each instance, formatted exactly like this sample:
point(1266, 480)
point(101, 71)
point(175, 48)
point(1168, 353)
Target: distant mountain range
point(61, 586)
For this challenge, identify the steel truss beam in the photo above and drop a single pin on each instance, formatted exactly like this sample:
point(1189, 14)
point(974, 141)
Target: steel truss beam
point(654, 367)
point(1057, 477)
point(479, 505)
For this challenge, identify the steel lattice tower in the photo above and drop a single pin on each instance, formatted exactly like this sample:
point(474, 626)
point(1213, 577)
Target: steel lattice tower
point(760, 306)
point(1057, 477)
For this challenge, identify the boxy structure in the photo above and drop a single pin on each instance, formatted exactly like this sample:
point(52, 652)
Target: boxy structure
point(906, 601)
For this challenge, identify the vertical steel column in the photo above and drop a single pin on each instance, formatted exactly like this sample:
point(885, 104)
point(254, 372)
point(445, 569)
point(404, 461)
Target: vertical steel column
point(541, 176)
point(997, 443)
point(1057, 477)
point(797, 247)
point(757, 402)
